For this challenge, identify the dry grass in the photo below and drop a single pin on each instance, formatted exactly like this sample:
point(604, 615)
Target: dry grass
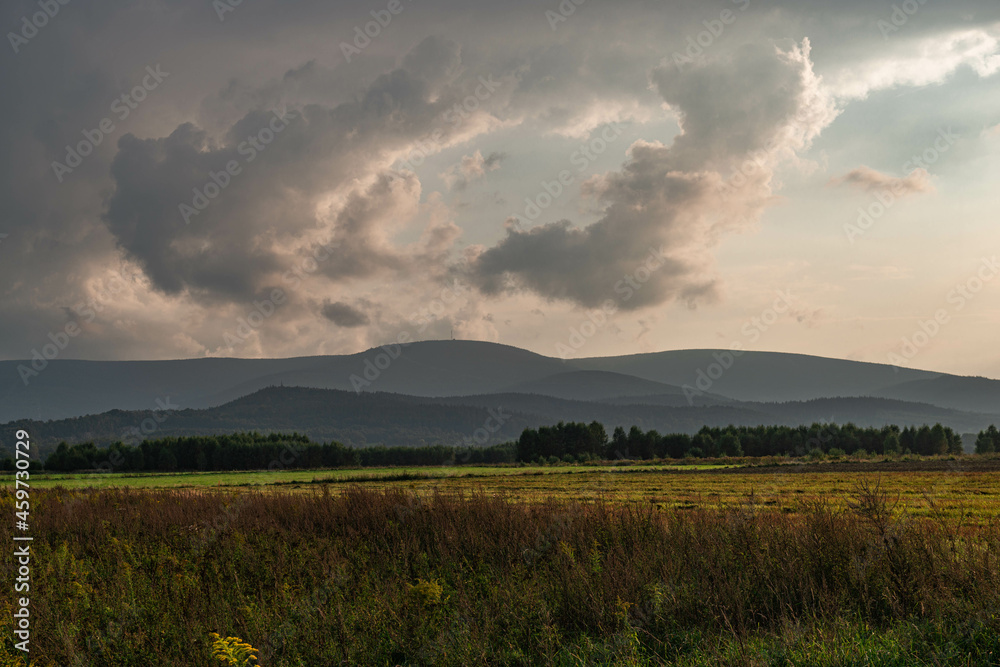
point(966, 488)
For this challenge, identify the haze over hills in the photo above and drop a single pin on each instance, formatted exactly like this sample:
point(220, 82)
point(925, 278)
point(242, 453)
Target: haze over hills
point(966, 393)
point(372, 418)
point(761, 376)
point(68, 388)
point(607, 385)
point(441, 392)
point(450, 369)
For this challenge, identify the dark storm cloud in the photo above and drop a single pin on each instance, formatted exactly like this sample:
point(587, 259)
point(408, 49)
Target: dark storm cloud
point(205, 217)
point(345, 315)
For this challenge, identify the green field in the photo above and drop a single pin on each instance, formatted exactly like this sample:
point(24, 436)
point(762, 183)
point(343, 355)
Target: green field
point(966, 488)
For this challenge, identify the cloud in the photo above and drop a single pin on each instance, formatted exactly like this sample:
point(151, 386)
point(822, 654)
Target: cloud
point(870, 180)
point(471, 168)
point(811, 317)
point(761, 98)
point(335, 183)
point(664, 211)
point(925, 60)
point(197, 230)
point(345, 315)
point(362, 234)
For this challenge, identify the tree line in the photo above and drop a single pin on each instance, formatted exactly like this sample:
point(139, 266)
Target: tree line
point(988, 441)
point(253, 451)
point(567, 441)
point(563, 442)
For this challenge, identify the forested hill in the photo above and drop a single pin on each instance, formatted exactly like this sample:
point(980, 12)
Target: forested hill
point(64, 388)
point(323, 415)
point(397, 420)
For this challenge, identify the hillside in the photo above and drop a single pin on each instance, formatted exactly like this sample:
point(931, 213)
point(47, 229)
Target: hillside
point(597, 386)
point(393, 419)
point(766, 376)
point(439, 369)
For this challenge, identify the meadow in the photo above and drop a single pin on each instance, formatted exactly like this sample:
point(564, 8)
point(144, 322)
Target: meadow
point(178, 480)
point(957, 487)
point(744, 562)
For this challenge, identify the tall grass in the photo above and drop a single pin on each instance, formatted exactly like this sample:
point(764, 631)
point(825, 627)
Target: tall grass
point(383, 578)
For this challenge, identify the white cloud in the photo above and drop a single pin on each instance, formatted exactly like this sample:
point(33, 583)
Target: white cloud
point(922, 62)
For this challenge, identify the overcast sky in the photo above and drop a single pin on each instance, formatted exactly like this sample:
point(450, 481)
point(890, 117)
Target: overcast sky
point(279, 178)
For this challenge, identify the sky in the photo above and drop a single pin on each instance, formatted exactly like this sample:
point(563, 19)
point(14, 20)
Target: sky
point(265, 178)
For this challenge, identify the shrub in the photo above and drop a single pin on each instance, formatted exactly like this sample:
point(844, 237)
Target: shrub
point(426, 593)
point(233, 651)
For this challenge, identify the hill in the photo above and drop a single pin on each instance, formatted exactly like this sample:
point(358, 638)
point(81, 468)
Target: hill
point(397, 420)
point(671, 381)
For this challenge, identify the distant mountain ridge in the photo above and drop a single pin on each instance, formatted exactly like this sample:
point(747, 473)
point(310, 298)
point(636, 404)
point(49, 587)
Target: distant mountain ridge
point(600, 385)
point(447, 369)
point(368, 418)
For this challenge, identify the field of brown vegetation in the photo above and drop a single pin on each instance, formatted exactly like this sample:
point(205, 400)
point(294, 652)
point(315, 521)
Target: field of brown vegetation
point(125, 577)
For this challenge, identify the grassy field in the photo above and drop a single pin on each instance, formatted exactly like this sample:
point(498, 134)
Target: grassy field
point(967, 488)
point(128, 577)
point(191, 480)
point(887, 562)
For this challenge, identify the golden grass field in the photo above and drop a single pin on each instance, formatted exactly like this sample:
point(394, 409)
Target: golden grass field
point(962, 487)
point(865, 562)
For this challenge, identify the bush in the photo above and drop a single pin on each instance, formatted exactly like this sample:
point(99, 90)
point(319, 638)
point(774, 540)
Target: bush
point(816, 455)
